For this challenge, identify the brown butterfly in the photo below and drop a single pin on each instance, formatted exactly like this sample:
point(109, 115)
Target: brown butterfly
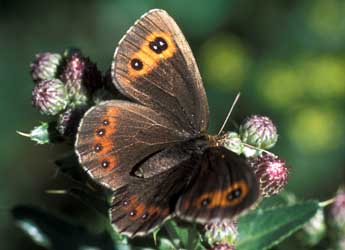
point(154, 152)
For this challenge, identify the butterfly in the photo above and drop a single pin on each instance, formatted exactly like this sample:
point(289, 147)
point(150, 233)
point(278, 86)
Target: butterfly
point(153, 151)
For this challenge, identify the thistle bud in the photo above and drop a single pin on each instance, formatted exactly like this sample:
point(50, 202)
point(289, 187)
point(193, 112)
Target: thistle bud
point(232, 142)
point(45, 66)
point(222, 246)
point(68, 121)
point(81, 76)
point(338, 211)
point(259, 131)
point(221, 235)
point(271, 173)
point(50, 97)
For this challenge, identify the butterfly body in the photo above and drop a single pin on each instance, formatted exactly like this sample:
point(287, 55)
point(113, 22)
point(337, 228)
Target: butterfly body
point(154, 151)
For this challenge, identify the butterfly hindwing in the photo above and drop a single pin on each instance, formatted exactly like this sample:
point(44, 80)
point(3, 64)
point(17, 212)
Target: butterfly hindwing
point(154, 65)
point(222, 188)
point(116, 135)
point(145, 203)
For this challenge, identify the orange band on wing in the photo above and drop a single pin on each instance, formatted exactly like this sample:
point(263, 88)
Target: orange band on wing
point(220, 198)
point(148, 57)
point(103, 144)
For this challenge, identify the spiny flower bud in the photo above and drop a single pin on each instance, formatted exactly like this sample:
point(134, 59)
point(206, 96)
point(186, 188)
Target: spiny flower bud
point(232, 142)
point(221, 234)
point(338, 210)
point(222, 246)
point(45, 66)
point(271, 173)
point(50, 97)
point(68, 121)
point(259, 131)
point(81, 76)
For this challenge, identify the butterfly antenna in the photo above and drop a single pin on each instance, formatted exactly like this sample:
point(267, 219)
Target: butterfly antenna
point(229, 113)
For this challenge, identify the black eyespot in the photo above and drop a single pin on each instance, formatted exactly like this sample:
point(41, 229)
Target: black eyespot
point(105, 122)
point(136, 64)
point(158, 45)
point(237, 193)
point(132, 213)
point(234, 194)
point(205, 202)
point(100, 132)
point(144, 216)
point(98, 147)
point(105, 164)
point(125, 203)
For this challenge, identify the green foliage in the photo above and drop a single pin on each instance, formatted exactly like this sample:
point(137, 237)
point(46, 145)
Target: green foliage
point(262, 228)
point(265, 228)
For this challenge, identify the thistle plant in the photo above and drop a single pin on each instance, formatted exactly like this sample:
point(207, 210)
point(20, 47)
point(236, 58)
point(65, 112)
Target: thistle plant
point(66, 85)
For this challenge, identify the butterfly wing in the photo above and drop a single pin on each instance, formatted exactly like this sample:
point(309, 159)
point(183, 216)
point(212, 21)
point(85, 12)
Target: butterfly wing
point(153, 64)
point(115, 135)
point(222, 188)
point(145, 203)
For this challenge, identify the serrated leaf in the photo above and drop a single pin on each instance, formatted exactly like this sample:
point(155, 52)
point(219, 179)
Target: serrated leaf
point(265, 228)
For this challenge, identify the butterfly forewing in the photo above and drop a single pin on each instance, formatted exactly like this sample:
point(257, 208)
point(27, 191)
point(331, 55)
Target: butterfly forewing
point(116, 135)
point(154, 65)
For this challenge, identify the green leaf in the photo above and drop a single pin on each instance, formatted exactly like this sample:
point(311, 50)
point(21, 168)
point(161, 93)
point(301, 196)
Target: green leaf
point(265, 228)
point(39, 134)
point(165, 244)
point(283, 199)
point(44, 133)
point(176, 232)
point(182, 237)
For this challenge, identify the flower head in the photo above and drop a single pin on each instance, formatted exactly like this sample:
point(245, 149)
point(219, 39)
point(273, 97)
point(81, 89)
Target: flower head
point(68, 121)
point(221, 235)
point(338, 210)
point(45, 66)
point(80, 75)
point(50, 97)
point(222, 246)
point(232, 142)
point(271, 173)
point(259, 131)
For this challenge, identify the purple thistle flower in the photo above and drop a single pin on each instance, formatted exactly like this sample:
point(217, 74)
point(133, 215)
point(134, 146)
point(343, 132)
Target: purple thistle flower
point(222, 246)
point(221, 235)
point(271, 173)
point(259, 131)
point(68, 121)
point(338, 210)
point(45, 66)
point(50, 97)
point(81, 76)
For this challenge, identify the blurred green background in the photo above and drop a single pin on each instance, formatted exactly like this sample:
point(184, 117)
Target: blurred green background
point(286, 57)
